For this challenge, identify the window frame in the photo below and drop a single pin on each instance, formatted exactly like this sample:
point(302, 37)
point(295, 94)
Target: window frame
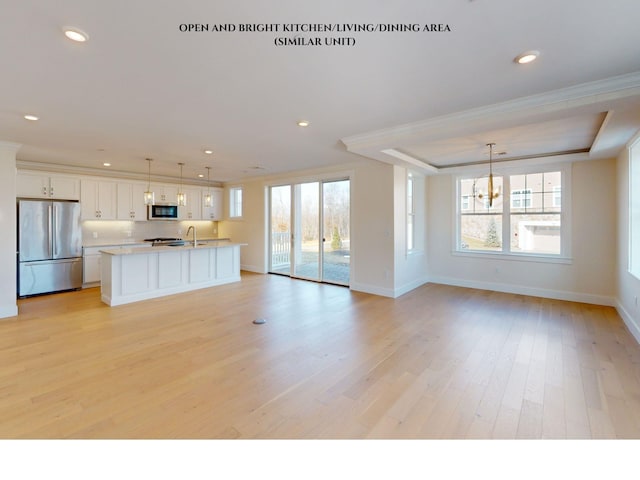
point(565, 215)
point(234, 204)
point(633, 266)
point(411, 213)
point(418, 214)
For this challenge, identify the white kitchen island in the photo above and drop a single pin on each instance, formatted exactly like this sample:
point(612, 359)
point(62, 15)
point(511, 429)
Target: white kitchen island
point(133, 274)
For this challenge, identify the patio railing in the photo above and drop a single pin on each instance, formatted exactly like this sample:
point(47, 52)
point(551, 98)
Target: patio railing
point(280, 249)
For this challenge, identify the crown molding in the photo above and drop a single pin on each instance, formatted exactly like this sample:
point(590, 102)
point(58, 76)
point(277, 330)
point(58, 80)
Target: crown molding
point(574, 97)
point(97, 172)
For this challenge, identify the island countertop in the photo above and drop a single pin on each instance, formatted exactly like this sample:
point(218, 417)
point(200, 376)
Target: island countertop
point(166, 248)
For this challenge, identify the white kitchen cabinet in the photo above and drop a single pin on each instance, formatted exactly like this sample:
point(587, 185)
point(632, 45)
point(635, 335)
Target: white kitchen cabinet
point(131, 275)
point(98, 199)
point(192, 210)
point(43, 185)
point(92, 259)
point(214, 212)
point(130, 201)
point(165, 193)
point(91, 265)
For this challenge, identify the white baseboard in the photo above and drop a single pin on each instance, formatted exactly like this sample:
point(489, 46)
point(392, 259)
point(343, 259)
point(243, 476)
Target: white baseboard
point(9, 311)
point(251, 268)
point(628, 320)
point(373, 289)
point(530, 291)
point(410, 286)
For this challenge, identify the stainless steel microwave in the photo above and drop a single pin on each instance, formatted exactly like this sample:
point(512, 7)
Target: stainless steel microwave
point(163, 212)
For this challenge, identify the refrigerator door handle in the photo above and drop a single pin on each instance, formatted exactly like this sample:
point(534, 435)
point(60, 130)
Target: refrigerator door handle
point(52, 247)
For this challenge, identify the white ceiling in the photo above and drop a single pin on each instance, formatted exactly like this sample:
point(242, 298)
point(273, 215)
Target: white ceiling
point(141, 88)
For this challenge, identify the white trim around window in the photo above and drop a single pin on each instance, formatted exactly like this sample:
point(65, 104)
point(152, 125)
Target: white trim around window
point(505, 211)
point(634, 207)
point(415, 213)
point(235, 202)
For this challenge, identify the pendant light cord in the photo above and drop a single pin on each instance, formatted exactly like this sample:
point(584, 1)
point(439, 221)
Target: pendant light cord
point(149, 177)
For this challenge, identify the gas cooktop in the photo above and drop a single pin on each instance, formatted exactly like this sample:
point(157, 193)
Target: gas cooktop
point(165, 241)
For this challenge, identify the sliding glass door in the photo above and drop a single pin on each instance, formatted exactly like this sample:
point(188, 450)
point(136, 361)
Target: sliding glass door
point(310, 231)
point(280, 226)
point(336, 253)
point(306, 240)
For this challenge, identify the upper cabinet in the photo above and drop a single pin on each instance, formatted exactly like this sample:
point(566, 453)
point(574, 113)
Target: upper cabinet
point(214, 212)
point(192, 210)
point(165, 193)
point(43, 185)
point(104, 198)
point(98, 199)
point(130, 201)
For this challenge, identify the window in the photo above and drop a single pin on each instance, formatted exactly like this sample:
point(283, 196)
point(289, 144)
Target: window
point(415, 212)
point(411, 213)
point(634, 209)
point(480, 223)
point(235, 202)
point(528, 222)
point(521, 198)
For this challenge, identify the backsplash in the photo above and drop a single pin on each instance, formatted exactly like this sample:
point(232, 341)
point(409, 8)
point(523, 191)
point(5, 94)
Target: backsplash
point(116, 230)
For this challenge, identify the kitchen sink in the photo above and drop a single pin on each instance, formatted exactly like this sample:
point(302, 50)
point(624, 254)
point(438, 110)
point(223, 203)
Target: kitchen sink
point(185, 244)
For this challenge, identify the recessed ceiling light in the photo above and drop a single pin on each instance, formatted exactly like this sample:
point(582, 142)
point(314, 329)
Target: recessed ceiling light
point(33, 118)
point(200, 175)
point(106, 164)
point(303, 123)
point(527, 57)
point(208, 152)
point(75, 34)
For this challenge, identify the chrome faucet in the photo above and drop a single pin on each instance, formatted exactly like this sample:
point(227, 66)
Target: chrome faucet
point(195, 240)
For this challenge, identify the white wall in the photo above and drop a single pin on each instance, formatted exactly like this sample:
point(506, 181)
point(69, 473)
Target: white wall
point(372, 227)
point(628, 286)
point(410, 270)
point(589, 278)
point(251, 228)
point(8, 305)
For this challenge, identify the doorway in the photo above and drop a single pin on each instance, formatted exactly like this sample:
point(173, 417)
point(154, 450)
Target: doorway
point(310, 231)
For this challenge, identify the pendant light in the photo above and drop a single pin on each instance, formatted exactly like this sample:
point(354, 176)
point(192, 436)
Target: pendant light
point(207, 197)
point(491, 192)
point(182, 201)
point(148, 195)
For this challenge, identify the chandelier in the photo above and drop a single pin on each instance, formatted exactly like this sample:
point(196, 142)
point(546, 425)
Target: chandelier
point(491, 192)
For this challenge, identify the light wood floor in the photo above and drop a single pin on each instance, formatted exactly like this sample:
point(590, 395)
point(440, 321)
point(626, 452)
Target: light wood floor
point(439, 362)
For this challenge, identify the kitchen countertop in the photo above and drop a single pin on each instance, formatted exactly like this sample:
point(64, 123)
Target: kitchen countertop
point(218, 243)
point(110, 243)
point(114, 243)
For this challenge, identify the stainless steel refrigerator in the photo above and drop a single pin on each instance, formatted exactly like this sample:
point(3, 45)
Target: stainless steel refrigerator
point(49, 246)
